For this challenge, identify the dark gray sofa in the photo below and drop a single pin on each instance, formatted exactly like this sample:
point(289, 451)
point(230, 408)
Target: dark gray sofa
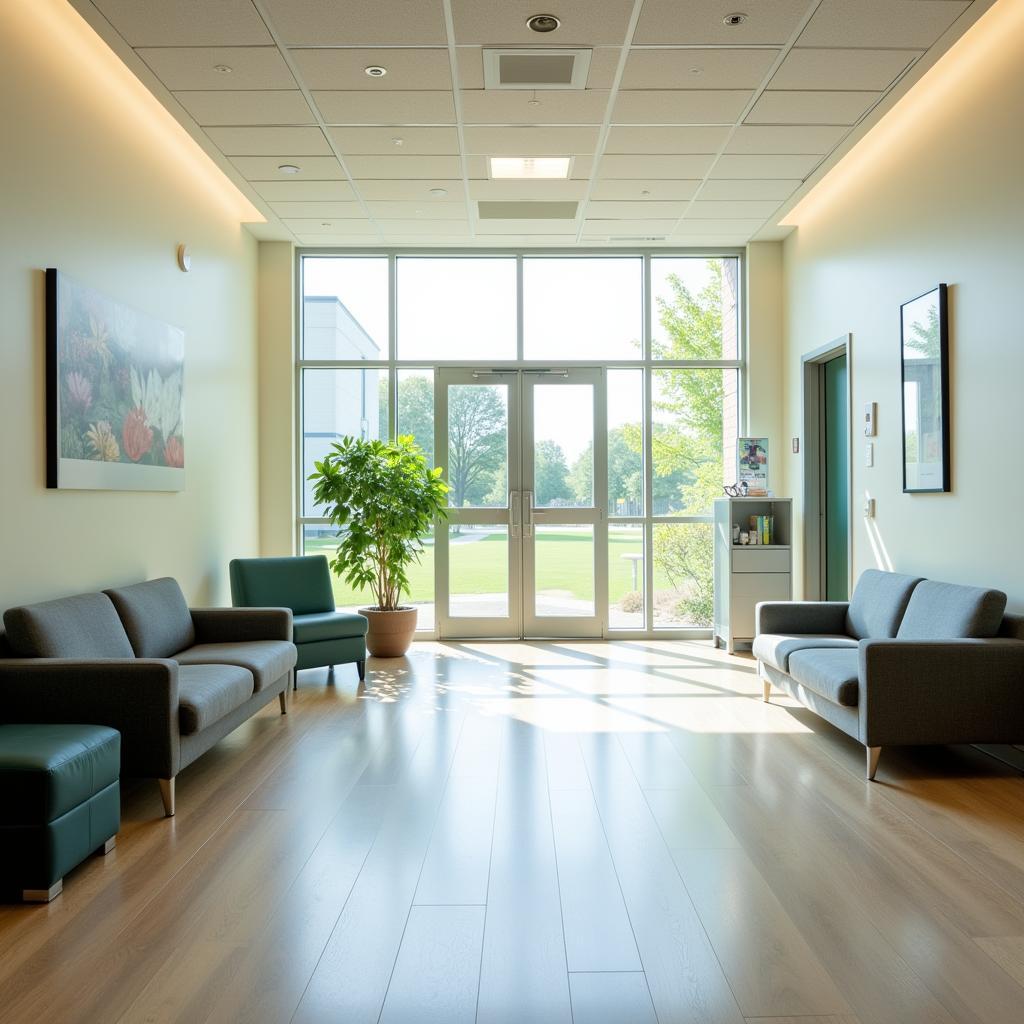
point(171, 680)
point(906, 661)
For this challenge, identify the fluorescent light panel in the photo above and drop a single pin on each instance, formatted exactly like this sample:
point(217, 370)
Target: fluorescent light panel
point(530, 166)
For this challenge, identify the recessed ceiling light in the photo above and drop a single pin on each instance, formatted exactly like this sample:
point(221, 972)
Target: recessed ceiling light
point(737, 18)
point(439, 193)
point(222, 69)
point(530, 167)
point(376, 71)
point(542, 23)
point(289, 168)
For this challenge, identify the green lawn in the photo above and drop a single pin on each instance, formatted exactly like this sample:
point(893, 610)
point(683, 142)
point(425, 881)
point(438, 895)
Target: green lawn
point(564, 563)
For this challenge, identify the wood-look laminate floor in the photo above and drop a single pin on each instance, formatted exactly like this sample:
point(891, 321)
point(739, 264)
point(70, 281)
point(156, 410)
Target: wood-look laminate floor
point(515, 833)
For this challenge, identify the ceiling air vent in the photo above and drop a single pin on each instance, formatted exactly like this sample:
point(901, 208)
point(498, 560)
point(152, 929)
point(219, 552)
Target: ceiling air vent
point(518, 209)
point(536, 69)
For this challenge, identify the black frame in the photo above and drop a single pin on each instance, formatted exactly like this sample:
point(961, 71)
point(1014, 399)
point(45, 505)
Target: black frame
point(943, 386)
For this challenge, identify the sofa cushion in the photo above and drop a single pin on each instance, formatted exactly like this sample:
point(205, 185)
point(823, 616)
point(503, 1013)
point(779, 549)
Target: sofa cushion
point(830, 673)
point(776, 648)
point(301, 583)
point(206, 693)
point(948, 611)
point(308, 629)
point(47, 770)
point(267, 660)
point(86, 626)
point(155, 616)
point(878, 603)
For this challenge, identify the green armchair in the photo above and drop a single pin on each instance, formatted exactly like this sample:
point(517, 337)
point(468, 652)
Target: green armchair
point(322, 634)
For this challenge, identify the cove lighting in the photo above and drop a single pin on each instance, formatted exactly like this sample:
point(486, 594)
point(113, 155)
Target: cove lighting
point(530, 166)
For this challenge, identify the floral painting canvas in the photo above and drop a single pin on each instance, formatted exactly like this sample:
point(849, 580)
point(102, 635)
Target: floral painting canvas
point(115, 393)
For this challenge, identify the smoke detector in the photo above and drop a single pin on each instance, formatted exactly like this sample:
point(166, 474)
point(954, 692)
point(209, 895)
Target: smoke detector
point(542, 23)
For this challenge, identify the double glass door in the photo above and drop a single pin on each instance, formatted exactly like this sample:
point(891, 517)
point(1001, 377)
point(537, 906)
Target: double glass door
point(524, 550)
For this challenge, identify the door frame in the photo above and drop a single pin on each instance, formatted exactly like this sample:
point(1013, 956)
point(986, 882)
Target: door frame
point(812, 388)
point(519, 514)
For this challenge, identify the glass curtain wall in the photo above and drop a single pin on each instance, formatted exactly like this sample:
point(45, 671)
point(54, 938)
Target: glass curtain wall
point(665, 329)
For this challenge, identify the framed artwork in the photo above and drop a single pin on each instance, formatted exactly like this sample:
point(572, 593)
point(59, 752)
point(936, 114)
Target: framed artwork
point(752, 465)
point(924, 363)
point(114, 393)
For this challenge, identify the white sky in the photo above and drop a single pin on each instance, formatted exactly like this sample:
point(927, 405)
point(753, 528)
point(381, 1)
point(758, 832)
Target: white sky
point(465, 308)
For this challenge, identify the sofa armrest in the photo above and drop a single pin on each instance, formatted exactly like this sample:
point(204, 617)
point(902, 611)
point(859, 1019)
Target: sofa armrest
point(801, 617)
point(238, 625)
point(941, 691)
point(136, 696)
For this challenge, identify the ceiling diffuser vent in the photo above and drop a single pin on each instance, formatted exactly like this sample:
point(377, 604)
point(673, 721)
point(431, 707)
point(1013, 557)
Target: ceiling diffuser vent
point(536, 69)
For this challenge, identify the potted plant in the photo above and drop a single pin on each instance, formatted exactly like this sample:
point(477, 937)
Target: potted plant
point(384, 499)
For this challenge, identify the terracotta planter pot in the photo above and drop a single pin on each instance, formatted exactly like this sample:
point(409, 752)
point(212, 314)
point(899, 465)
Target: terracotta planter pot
point(390, 633)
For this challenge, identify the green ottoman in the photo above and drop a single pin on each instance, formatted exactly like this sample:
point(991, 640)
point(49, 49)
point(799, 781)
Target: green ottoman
point(60, 801)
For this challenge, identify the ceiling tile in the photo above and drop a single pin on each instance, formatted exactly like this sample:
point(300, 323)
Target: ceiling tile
point(404, 167)
point(512, 106)
point(643, 139)
point(634, 188)
point(511, 189)
point(301, 191)
point(439, 228)
point(428, 209)
point(386, 107)
point(327, 225)
point(750, 188)
point(382, 140)
point(718, 239)
point(719, 227)
point(738, 210)
point(615, 226)
point(721, 106)
point(265, 141)
point(842, 69)
point(820, 139)
point(358, 22)
point(522, 226)
point(915, 24)
point(604, 62)
point(583, 22)
point(669, 21)
point(412, 189)
point(311, 168)
point(656, 166)
point(470, 64)
point(764, 166)
point(258, 106)
point(697, 69)
point(348, 241)
point(640, 210)
point(794, 107)
point(532, 141)
point(412, 70)
point(192, 67)
point(322, 211)
point(186, 22)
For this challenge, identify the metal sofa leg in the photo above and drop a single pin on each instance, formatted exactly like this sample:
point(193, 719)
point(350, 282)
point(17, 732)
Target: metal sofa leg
point(766, 686)
point(295, 678)
point(43, 895)
point(283, 698)
point(108, 846)
point(361, 669)
point(167, 795)
point(873, 754)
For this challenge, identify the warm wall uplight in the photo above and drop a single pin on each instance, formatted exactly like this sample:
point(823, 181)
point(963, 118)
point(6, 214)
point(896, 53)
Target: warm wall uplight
point(956, 74)
point(66, 45)
point(530, 167)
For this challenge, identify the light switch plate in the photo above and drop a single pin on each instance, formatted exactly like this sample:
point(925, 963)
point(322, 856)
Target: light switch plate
point(870, 413)
point(869, 507)
point(796, 445)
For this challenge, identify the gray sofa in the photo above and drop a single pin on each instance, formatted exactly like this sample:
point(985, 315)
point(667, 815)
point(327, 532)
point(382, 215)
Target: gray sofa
point(171, 680)
point(906, 661)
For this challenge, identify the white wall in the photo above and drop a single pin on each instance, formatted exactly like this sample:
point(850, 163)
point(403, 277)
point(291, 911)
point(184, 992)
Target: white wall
point(934, 194)
point(90, 184)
